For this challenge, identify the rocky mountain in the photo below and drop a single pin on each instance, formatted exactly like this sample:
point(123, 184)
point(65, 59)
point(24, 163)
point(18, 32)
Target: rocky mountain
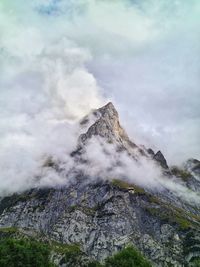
point(103, 215)
point(104, 123)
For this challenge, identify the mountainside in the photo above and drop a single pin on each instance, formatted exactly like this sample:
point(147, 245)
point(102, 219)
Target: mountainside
point(105, 214)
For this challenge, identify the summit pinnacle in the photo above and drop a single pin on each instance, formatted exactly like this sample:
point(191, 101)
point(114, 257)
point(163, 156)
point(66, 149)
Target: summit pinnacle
point(107, 126)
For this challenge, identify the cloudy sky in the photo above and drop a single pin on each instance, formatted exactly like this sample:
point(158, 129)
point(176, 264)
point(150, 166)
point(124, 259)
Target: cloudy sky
point(61, 58)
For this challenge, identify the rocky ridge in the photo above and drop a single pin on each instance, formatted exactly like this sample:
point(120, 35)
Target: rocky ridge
point(104, 124)
point(104, 216)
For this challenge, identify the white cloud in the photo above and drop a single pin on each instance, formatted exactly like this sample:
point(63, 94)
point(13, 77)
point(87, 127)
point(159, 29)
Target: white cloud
point(58, 61)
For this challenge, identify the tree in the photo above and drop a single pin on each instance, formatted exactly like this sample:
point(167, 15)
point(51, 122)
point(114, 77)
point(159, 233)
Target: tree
point(20, 253)
point(128, 257)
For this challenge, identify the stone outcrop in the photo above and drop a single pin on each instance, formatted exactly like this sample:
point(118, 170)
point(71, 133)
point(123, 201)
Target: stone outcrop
point(161, 159)
point(106, 125)
point(193, 165)
point(104, 216)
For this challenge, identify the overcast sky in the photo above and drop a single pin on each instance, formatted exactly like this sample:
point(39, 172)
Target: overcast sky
point(61, 58)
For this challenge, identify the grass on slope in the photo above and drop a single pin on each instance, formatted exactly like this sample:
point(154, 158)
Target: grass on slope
point(20, 252)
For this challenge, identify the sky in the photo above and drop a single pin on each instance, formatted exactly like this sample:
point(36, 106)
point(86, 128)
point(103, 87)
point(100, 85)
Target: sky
point(59, 59)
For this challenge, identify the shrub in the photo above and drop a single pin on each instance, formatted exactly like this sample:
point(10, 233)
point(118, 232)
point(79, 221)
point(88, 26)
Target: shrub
point(128, 257)
point(20, 253)
point(196, 263)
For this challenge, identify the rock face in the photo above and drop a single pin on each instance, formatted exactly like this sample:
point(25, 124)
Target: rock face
point(193, 166)
point(161, 159)
point(104, 216)
point(107, 126)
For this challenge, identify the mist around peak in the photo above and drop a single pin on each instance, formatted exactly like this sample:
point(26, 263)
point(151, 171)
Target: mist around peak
point(143, 57)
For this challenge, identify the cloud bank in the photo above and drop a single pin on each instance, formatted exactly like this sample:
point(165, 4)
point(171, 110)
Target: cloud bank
point(59, 59)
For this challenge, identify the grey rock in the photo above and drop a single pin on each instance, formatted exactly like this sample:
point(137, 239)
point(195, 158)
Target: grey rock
point(106, 125)
point(193, 166)
point(150, 152)
point(103, 216)
point(161, 159)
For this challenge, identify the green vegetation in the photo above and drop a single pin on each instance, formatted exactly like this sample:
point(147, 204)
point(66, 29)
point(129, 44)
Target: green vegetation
point(42, 195)
point(158, 208)
point(191, 246)
point(72, 254)
point(10, 201)
point(94, 264)
point(10, 230)
point(125, 185)
point(30, 253)
point(128, 257)
point(65, 248)
point(184, 175)
point(196, 263)
point(174, 215)
point(171, 216)
point(20, 253)
point(86, 210)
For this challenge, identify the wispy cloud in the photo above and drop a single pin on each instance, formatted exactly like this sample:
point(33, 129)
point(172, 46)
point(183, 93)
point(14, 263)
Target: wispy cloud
point(59, 59)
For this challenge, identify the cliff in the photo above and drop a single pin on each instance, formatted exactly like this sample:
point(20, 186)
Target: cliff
point(103, 216)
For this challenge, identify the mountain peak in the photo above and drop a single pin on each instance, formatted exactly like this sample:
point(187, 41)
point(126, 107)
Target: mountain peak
point(161, 159)
point(108, 108)
point(106, 125)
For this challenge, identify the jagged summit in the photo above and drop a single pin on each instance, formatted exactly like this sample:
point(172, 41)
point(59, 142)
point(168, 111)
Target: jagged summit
point(192, 165)
point(161, 159)
point(106, 125)
point(103, 215)
point(108, 108)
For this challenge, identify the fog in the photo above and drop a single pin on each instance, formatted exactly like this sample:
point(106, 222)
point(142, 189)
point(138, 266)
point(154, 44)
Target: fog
point(60, 59)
